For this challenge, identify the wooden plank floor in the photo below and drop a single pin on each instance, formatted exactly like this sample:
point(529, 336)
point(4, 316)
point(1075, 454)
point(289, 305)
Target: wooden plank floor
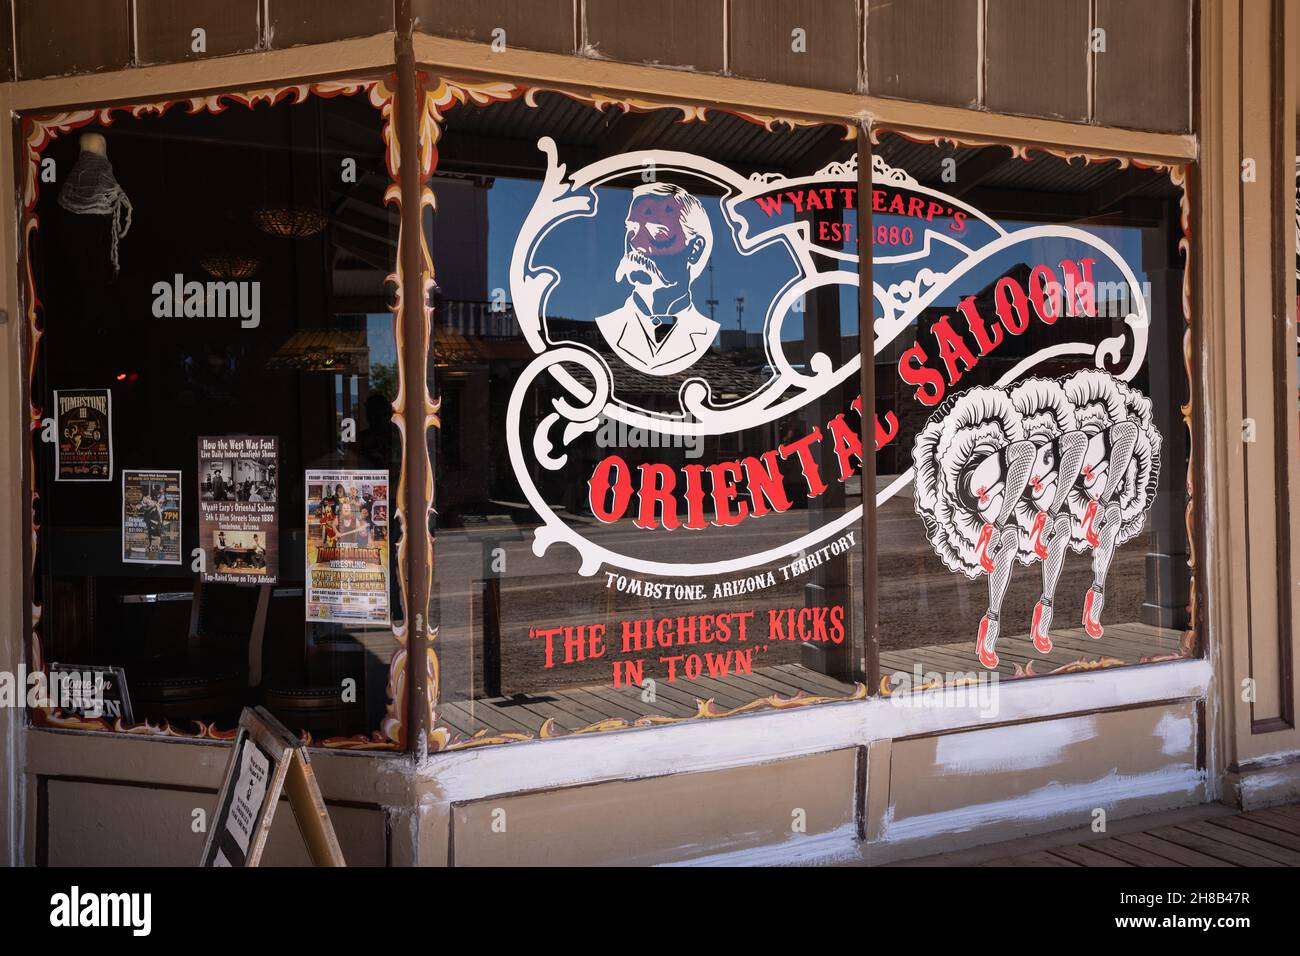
point(1130, 643)
point(1209, 835)
point(573, 708)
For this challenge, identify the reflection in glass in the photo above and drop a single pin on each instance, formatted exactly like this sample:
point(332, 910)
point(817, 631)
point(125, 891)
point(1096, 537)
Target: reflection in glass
point(1032, 507)
point(247, 298)
point(674, 288)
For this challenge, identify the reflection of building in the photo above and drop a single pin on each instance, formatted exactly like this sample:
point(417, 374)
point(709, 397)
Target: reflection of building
point(343, 352)
point(479, 351)
point(895, 395)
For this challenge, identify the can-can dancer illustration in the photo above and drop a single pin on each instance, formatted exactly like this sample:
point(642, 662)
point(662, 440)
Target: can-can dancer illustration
point(1117, 482)
point(1031, 471)
point(1050, 422)
point(972, 466)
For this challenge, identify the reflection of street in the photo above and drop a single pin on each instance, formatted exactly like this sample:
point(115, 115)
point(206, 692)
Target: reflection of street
point(922, 603)
point(1129, 643)
point(682, 546)
point(548, 592)
point(576, 707)
point(928, 615)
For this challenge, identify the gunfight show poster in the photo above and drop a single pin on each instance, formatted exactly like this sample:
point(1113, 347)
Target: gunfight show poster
point(84, 447)
point(347, 546)
point(151, 516)
point(238, 511)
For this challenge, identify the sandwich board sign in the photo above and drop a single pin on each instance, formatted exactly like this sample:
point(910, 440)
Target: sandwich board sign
point(266, 762)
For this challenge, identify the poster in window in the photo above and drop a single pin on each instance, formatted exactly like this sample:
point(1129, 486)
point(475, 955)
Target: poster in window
point(347, 546)
point(238, 510)
point(84, 450)
point(151, 516)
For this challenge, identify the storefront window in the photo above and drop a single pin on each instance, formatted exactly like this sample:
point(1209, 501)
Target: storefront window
point(1030, 328)
point(215, 366)
point(648, 461)
point(645, 356)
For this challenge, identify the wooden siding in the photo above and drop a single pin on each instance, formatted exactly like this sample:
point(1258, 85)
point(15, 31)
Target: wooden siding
point(1026, 57)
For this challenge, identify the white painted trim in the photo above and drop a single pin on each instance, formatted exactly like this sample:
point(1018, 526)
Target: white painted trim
point(766, 736)
point(1052, 801)
point(838, 846)
point(1268, 788)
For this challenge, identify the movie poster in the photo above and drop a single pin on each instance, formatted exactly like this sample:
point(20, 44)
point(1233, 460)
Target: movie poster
point(347, 546)
point(151, 516)
point(238, 511)
point(84, 447)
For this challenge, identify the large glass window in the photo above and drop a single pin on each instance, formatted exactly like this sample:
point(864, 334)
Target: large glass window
point(1032, 507)
point(217, 361)
point(648, 465)
point(646, 355)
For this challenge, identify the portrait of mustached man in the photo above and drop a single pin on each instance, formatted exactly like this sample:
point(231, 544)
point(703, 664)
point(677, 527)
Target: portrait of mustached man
point(658, 330)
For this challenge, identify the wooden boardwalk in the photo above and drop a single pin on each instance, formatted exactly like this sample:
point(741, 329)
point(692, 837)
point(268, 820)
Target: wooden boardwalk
point(573, 708)
point(1208, 835)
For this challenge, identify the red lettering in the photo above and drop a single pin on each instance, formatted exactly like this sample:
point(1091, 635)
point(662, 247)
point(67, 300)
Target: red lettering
point(629, 673)
point(1042, 284)
point(1080, 293)
point(601, 484)
point(724, 475)
point(846, 444)
point(1012, 306)
point(764, 479)
point(803, 449)
point(913, 371)
point(976, 325)
point(656, 488)
point(885, 435)
point(694, 495)
point(952, 349)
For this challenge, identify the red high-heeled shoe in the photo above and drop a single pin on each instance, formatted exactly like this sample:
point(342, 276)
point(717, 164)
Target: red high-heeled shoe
point(1039, 631)
point(1092, 613)
point(988, 657)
